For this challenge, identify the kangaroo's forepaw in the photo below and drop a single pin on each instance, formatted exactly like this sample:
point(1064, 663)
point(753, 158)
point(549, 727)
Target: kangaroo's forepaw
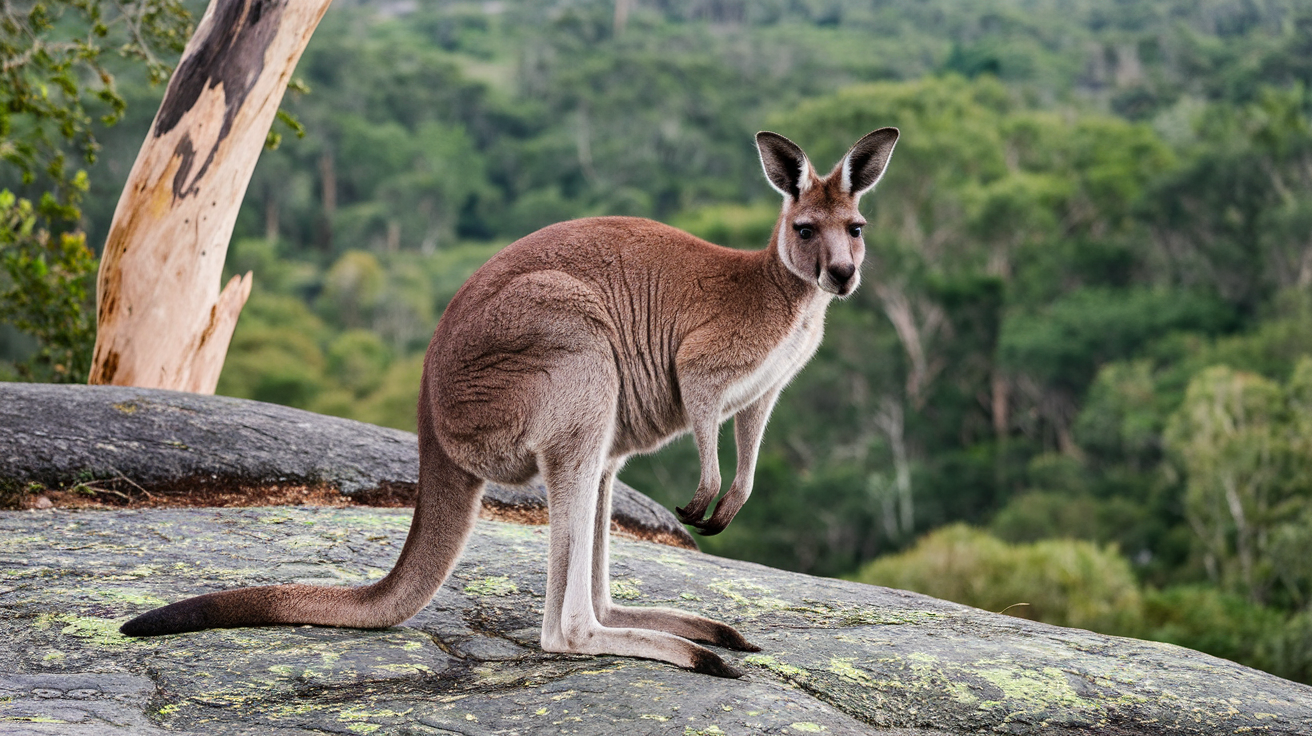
point(687, 516)
point(708, 663)
point(708, 527)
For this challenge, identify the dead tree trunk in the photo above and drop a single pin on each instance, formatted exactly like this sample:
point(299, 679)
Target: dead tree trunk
point(162, 321)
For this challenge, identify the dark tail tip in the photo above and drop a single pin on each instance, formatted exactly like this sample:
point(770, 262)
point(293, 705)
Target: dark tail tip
point(139, 626)
point(193, 614)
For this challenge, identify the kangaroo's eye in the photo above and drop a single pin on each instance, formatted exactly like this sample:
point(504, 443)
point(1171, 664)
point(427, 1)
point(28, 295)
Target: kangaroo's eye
point(805, 233)
point(854, 231)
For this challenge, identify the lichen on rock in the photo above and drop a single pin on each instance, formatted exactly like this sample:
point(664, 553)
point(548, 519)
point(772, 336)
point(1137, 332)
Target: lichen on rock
point(837, 657)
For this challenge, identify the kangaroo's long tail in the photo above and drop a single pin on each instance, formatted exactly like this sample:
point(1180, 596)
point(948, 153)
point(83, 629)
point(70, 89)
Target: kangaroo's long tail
point(445, 513)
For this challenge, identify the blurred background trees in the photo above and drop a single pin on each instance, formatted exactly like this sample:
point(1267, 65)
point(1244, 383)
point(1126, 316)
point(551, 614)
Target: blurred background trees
point(1077, 375)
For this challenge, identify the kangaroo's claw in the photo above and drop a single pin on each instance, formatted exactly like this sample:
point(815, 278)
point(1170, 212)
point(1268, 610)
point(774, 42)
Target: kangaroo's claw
point(707, 527)
point(686, 516)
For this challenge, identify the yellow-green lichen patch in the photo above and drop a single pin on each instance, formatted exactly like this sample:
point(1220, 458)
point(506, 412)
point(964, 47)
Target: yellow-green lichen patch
point(671, 560)
point(844, 668)
point(807, 727)
point(101, 632)
point(775, 666)
point(403, 669)
point(497, 585)
point(626, 588)
point(127, 407)
point(1029, 691)
point(878, 617)
point(931, 675)
point(167, 710)
point(53, 656)
point(130, 595)
point(711, 730)
point(747, 594)
point(959, 691)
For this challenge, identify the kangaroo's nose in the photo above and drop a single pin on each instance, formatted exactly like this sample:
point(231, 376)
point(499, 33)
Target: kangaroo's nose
point(841, 272)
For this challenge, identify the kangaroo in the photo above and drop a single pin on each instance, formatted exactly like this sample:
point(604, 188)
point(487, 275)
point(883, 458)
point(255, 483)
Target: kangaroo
point(570, 350)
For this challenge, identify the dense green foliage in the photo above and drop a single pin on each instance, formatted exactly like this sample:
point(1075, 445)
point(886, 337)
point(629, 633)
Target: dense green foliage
point(57, 81)
point(1061, 581)
point(1084, 316)
point(46, 295)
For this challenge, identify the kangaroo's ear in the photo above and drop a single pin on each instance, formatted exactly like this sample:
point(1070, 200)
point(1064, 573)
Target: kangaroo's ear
point(785, 165)
point(863, 166)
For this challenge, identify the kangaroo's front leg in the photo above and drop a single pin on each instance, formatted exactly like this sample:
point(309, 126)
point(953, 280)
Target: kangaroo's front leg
point(702, 405)
point(748, 428)
point(573, 474)
point(679, 623)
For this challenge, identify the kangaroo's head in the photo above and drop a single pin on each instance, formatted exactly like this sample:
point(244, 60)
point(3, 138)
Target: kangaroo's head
point(819, 232)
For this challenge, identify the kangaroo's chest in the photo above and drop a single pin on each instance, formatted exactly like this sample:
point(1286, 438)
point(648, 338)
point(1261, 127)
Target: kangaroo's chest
point(782, 362)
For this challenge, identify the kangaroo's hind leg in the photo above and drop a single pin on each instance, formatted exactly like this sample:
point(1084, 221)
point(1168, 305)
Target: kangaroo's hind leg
point(679, 623)
point(573, 461)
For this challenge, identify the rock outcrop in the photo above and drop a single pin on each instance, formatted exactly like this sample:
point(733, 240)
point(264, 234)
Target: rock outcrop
point(193, 448)
point(837, 657)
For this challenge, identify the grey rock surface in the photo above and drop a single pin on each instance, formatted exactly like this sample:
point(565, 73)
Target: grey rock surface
point(837, 657)
point(76, 704)
point(170, 442)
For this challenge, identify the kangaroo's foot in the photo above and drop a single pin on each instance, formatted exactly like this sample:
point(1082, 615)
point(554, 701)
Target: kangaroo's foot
point(631, 642)
point(679, 623)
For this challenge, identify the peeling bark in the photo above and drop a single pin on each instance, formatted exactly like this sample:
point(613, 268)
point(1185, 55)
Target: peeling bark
point(162, 321)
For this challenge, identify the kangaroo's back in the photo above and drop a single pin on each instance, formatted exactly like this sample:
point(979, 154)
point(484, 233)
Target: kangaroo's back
point(641, 270)
point(647, 289)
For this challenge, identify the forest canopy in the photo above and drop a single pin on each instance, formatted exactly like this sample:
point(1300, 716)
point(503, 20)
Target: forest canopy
point(1081, 352)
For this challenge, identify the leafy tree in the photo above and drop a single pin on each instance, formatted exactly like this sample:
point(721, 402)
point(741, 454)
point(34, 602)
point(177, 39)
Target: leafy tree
point(1240, 441)
point(47, 295)
point(55, 81)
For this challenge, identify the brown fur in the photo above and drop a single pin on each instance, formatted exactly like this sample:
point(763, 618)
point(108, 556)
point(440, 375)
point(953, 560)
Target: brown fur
point(574, 348)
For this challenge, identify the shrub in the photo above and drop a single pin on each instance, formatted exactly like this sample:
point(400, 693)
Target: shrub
point(1059, 581)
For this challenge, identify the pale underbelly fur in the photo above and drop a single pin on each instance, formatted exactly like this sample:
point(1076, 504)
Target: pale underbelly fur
point(782, 362)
